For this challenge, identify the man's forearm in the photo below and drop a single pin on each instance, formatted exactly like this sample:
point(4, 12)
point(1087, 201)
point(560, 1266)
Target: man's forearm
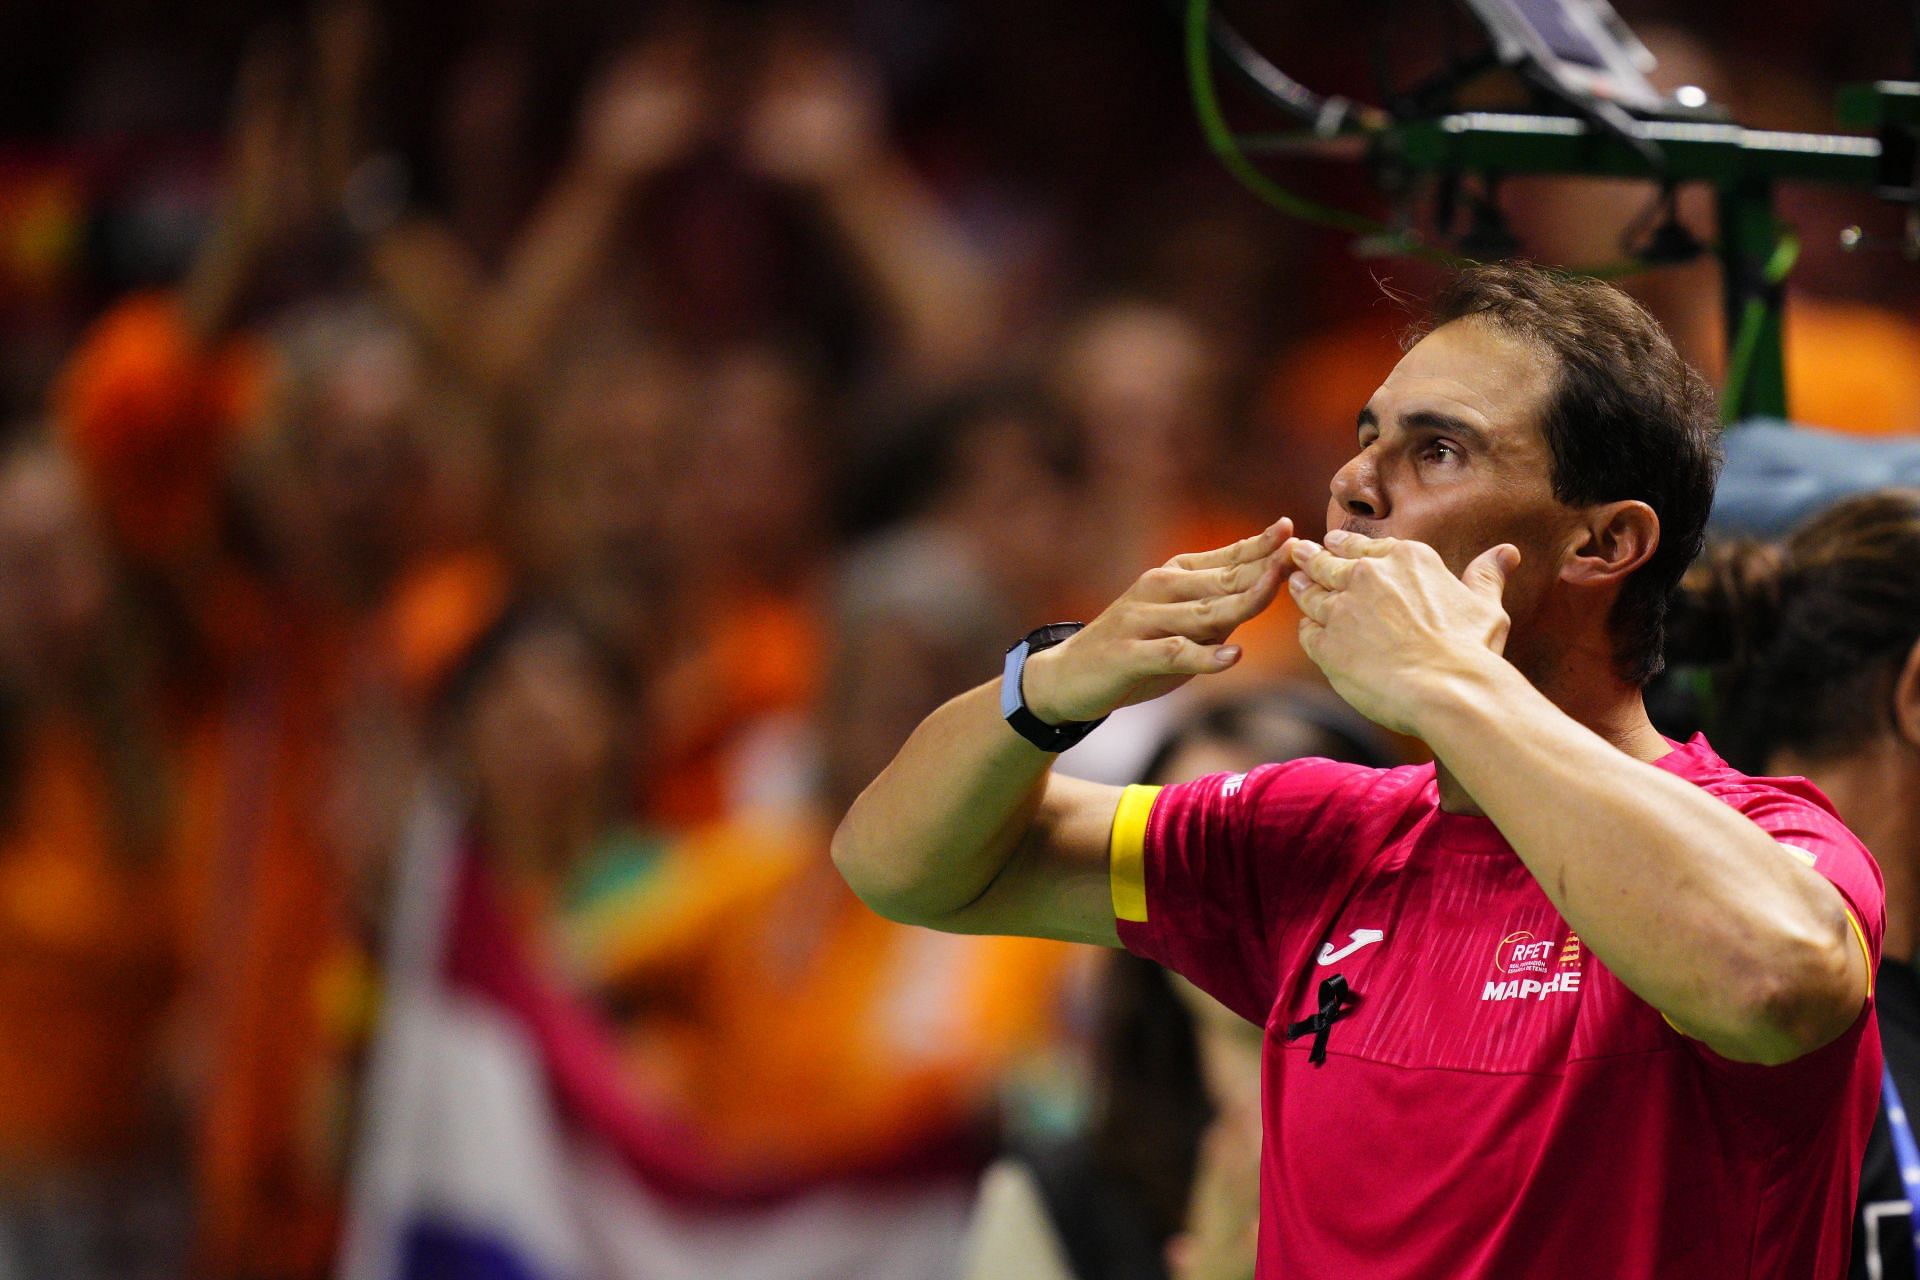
point(930, 834)
point(1690, 904)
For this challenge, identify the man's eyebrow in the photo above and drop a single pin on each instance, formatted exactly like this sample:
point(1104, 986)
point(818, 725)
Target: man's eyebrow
point(1446, 423)
point(1427, 420)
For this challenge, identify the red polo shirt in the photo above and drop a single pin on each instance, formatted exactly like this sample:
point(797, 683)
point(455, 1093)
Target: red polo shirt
point(1496, 1103)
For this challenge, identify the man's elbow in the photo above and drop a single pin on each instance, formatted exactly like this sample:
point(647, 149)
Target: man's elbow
point(1804, 1000)
point(856, 868)
point(877, 881)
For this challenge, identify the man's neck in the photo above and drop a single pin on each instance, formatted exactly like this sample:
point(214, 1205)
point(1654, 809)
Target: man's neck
point(1610, 708)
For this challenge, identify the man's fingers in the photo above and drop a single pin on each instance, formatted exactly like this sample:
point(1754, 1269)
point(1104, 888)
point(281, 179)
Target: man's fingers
point(1310, 596)
point(1212, 618)
point(1264, 591)
point(1179, 656)
point(1311, 634)
point(1317, 563)
point(1260, 544)
point(1344, 542)
point(1487, 575)
point(1248, 575)
point(1168, 585)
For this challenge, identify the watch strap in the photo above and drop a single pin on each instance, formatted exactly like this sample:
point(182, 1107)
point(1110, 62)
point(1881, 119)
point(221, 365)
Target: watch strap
point(1013, 701)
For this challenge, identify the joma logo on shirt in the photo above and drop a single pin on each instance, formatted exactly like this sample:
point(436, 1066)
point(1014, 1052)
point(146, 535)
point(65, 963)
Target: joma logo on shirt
point(1522, 988)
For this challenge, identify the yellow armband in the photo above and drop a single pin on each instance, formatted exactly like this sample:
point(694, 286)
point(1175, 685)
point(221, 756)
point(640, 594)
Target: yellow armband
point(1127, 849)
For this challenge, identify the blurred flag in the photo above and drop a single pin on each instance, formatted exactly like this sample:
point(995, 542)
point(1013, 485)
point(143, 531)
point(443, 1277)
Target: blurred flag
point(500, 1140)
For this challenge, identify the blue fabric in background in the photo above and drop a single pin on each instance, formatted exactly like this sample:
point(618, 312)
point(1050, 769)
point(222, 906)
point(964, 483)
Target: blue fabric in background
point(1778, 474)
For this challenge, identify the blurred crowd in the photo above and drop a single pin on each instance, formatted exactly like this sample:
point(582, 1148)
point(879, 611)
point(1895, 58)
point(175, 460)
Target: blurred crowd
point(635, 422)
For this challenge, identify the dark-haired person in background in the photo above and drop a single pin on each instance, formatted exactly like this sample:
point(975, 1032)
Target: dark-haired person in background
point(1814, 650)
point(1571, 1001)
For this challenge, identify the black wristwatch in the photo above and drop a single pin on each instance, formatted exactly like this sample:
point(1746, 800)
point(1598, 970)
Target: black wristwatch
point(1013, 700)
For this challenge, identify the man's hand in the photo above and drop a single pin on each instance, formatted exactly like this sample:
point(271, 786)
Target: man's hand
point(1384, 618)
point(1170, 626)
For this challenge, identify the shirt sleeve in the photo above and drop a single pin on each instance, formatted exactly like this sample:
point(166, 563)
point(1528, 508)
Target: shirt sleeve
point(1808, 832)
point(1209, 875)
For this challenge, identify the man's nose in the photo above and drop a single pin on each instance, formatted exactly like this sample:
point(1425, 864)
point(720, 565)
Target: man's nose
point(1356, 488)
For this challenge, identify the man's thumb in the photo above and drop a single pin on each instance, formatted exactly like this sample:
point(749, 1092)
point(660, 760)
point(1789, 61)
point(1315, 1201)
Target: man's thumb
point(1487, 575)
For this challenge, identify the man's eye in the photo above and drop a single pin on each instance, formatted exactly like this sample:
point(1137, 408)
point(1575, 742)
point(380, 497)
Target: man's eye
point(1441, 451)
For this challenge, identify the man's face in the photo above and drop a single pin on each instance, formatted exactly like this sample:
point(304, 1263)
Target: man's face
point(1451, 454)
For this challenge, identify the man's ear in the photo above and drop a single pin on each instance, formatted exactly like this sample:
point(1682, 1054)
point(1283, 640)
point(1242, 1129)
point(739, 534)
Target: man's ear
point(1906, 698)
point(1611, 542)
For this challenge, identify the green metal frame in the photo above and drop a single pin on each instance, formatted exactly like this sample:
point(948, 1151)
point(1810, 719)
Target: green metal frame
point(1743, 166)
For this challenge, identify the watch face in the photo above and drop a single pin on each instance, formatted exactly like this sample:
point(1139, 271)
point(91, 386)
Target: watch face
point(1051, 634)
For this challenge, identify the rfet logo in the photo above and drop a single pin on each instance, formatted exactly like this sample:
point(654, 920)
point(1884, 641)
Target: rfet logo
point(1523, 953)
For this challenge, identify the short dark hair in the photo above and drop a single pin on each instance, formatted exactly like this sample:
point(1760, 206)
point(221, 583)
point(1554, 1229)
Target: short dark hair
point(1626, 418)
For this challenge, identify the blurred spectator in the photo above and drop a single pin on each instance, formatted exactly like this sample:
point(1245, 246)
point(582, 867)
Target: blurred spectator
point(311, 558)
point(95, 1182)
point(801, 1044)
point(590, 519)
point(974, 499)
point(1147, 389)
point(542, 731)
point(644, 114)
point(1144, 384)
point(817, 124)
point(751, 557)
point(665, 509)
point(352, 590)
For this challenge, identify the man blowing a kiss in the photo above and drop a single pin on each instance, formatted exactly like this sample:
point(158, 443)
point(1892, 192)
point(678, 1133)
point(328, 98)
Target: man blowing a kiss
point(1574, 1000)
